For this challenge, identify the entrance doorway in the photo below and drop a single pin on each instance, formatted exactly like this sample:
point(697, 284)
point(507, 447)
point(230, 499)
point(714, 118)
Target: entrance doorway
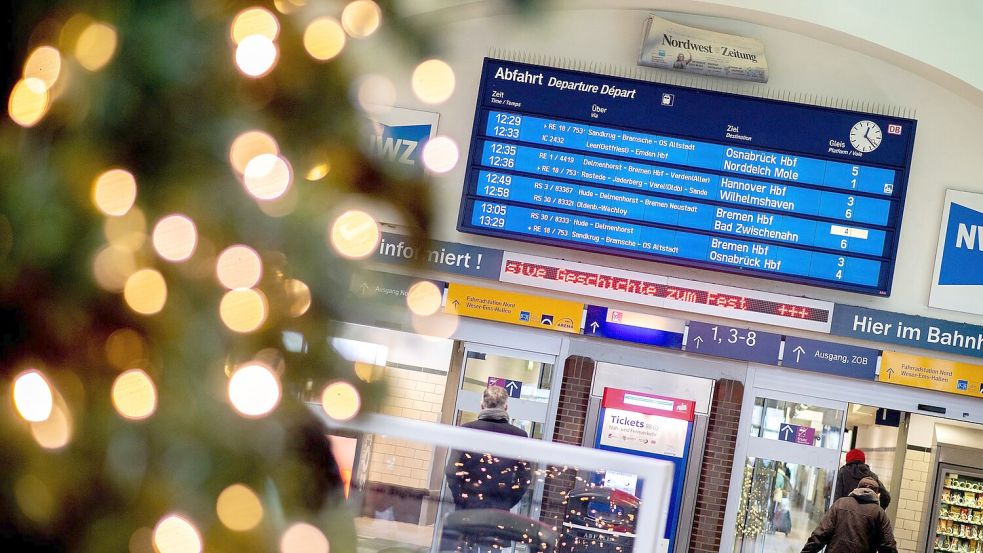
point(791, 458)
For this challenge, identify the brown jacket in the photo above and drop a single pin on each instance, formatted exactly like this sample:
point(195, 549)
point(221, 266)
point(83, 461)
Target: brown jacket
point(854, 524)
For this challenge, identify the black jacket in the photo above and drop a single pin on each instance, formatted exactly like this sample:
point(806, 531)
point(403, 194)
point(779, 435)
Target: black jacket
point(483, 481)
point(854, 524)
point(849, 476)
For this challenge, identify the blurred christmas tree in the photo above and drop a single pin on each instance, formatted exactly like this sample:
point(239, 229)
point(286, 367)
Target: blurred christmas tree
point(178, 210)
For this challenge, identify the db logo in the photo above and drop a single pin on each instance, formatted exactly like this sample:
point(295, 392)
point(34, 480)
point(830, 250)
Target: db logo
point(893, 129)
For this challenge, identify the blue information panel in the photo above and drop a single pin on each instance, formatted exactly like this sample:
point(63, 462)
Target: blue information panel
point(707, 179)
point(733, 343)
point(660, 331)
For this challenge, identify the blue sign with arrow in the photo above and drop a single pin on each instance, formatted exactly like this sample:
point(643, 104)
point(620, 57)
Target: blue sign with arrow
point(629, 326)
point(830, 358)
point(733, 343)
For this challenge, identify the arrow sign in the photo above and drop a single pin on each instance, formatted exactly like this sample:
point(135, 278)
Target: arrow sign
point(786, 432)
point(798, 353)
point(890, 373)
point(365, 289)
point(629, 326)
point(733, 343)
point(513, 387)
point(830, 358)
point(796, 434)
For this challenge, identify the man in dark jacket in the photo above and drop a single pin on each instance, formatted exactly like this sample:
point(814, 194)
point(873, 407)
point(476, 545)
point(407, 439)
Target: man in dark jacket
point(854, 524)
point(850, 474)
point(482, 480)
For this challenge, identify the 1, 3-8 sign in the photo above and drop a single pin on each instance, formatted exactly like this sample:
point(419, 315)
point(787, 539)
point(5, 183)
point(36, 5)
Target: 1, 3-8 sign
point(733, 342)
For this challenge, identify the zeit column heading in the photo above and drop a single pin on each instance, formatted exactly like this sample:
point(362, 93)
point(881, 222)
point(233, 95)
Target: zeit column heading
point(759, 187)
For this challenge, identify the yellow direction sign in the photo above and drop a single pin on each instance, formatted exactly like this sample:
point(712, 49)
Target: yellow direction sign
point(931, 373)
point(513, 308)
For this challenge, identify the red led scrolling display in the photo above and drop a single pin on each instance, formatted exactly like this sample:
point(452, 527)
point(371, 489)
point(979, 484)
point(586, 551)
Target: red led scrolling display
point(677, 293)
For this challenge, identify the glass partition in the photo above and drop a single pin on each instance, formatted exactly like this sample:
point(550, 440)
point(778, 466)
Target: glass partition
point(781, 504)
point(486, 481)
point(796, 422)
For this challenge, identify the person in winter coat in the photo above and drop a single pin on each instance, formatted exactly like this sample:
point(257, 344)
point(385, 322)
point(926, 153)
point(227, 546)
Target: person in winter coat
point(850, 474)
point(481, 480)
point(854, 524)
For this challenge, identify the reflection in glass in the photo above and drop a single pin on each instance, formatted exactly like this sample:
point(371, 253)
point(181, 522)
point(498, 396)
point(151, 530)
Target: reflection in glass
point(795, 422)
point(780, 505)
point(576, 512)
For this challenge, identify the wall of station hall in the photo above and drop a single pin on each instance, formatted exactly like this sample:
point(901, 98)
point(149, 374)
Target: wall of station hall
point(944, 153)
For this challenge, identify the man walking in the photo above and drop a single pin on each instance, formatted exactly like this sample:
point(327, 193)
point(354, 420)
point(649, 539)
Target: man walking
point(854, 524)
point(482, 480)
point(850, 474)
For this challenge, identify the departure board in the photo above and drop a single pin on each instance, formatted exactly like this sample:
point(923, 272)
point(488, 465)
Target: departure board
point(754, 186)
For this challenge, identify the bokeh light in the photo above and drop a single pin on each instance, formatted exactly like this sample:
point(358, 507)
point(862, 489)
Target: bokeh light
point(355, 234)
point(239, 508)
point(176, 534)
point(56, 431)
point(34, 498)
point(96, 46)
point(44, 64)
point(33, 396)
point(424, 298)
point(243, 309)
point(145, 291)
point(440, 154)
point(134, 395)
point(28, 102)
point(361, 18)
point(341, 401)
point(324, 38)
point(239, 267)
point(125, 347)
point(112, 266)
point(175, 237)
point(254, 390)
point(256, 55)
point(255, 21)
point(267, 176)
point(248, 145)
point(127, 231)
point(439, 325)
point(142, 541)
point(318, 171)
point(433, 81)
point(298, 297)
point(375, 93)
point(114, 191)
point(303, 538)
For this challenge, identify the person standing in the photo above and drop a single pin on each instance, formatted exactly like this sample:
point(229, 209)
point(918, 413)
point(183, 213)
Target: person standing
point(854, 524)
point(850, 474)
point(482, 480)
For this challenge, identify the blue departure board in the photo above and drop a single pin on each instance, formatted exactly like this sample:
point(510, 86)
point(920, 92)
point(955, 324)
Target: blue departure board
point(712, 180)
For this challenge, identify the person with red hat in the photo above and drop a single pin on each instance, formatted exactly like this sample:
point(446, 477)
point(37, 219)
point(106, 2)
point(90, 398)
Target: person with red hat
point(854, 524)
point(850, 474)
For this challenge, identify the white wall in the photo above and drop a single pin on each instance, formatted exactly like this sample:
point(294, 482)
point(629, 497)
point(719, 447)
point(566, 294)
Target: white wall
point(946, 150)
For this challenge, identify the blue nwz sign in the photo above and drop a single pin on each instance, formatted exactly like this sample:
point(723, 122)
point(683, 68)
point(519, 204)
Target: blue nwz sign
point(962, 254)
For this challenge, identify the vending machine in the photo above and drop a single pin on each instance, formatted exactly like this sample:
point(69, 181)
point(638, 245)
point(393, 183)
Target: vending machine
point(957, 525)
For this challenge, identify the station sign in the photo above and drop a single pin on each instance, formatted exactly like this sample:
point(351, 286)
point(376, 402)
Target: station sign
point(733, 343)
point(629, 326)
point(830, 358)
point(513, 308)
point(931, 374)
point(513, 387)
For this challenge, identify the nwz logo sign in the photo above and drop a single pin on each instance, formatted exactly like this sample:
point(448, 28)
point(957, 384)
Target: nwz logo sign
point(962, 263)
point(399, 144)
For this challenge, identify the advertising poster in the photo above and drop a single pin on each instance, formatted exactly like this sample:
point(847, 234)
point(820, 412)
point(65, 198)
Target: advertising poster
point(398, 135)
point(957, 283)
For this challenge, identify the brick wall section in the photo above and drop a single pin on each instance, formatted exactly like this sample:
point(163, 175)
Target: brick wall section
point(718, 459)
point(571, 417)
point(415, 395)
point(914, 497)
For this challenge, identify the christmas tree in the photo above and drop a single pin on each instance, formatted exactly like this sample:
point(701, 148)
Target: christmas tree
point(182, 205)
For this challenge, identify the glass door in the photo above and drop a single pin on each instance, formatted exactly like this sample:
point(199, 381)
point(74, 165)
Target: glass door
point(958, 512)
point(791, 461)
